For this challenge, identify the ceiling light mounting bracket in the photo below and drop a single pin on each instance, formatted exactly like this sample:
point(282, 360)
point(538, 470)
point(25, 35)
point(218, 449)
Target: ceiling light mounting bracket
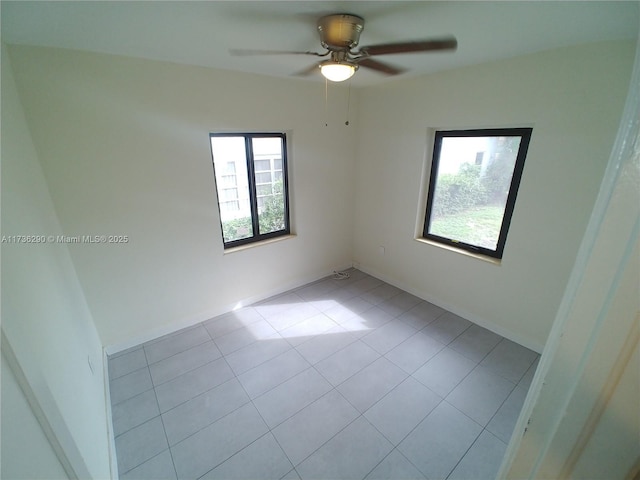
point(340, 32)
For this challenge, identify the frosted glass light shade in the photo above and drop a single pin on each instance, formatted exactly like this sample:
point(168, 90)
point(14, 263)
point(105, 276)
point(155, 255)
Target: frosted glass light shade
point(337, 72)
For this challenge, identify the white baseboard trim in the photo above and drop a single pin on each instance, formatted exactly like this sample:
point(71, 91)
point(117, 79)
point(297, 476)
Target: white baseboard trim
point(192, 320)
point(113, 458)
point(483, 322)
point(204, 316)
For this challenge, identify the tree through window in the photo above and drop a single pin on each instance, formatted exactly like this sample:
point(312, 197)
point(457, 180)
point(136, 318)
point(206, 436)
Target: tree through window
point(473, 185)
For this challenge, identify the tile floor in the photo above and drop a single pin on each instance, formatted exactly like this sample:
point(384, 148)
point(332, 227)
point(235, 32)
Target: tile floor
point(348, 378)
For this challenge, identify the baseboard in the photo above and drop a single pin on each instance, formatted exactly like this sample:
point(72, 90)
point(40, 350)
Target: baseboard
point(192, 320)
point(483, 322)
point(204, 316)
point(113, 458)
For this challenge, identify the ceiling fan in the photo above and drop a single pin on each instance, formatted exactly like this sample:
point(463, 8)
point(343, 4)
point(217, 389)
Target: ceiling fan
point(340, 34)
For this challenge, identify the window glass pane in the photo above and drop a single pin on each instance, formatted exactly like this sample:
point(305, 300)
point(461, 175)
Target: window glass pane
point(230, 206)
point(271, 209)
point(471, 188)
point(262, 165)
point(235, 215)
point(229, 194)
point(263, 178)
point(227, 181)
point(263, 190)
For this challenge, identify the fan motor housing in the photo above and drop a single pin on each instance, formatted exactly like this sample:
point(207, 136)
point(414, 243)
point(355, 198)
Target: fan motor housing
point(339, 32)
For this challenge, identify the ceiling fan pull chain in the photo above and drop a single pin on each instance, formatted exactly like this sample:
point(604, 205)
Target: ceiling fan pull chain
point(326, 102)
point(348, 102)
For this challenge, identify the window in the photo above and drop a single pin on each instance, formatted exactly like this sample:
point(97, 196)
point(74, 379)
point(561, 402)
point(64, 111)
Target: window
point(473, 186)
point(251, 181)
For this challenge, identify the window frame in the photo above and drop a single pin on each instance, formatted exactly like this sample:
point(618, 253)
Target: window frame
point(252, 184)
point(525, 134)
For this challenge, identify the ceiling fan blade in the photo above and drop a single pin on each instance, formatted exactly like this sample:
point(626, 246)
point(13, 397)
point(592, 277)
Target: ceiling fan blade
point(242, 52)
point(308, 71)
point(434, 44)
point(379, 66)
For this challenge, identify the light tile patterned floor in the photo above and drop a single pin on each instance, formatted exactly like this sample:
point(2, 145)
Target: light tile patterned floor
point(348, 378)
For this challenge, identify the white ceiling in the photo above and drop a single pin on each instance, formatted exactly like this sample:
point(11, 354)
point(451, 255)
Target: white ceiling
point(202, 32)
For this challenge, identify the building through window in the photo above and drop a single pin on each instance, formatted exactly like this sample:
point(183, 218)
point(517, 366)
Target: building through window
point(251, 180)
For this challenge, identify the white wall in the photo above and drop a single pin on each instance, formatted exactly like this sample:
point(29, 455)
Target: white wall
point(45, 317)
point(573, 98)
point(580, 418)
point(125, 149)
point(26, 452)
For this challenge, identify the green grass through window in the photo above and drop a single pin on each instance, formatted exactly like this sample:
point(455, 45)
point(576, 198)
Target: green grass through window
point(476, 226)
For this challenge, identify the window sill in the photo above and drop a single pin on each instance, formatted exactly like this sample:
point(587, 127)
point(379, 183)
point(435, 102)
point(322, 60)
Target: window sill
point(484, 258)
point(258, 244)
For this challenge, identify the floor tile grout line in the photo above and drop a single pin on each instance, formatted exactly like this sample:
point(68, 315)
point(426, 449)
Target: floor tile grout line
point(355, 373)
point(249, 397)
point(282, 382)
point(267, 391)
point(148, 365)
point(133, 396)
point(246, 345)
point(501, 376)
point(185, 372)
point(230, 313)
point(124, 352)
point(259, 364)
point(138, 424)
point(235, 377)
point(460, 411)
point(291, 346)
point(464, 378)
point(120, 474)
point(281, 447)
point(383, 459)
point(500, 406)
point(276, 426)
point(178, 353)
point(478, 362)
point(111, 359)
point(164, 429)
point(296, 324)
point(358, 416)
point(464, 454)
point(419, 367)
point(485, 429)
point(236, 453)
point(165, 434)
point(468, 449)
point(395, 445)
point(201, 394)
point(297, 411)
point(128, 373)
point(409, 460)
point(353, 337)
point(202, 427)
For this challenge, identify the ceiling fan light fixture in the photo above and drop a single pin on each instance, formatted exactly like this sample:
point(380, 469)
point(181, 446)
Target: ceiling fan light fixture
point(337, 71)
